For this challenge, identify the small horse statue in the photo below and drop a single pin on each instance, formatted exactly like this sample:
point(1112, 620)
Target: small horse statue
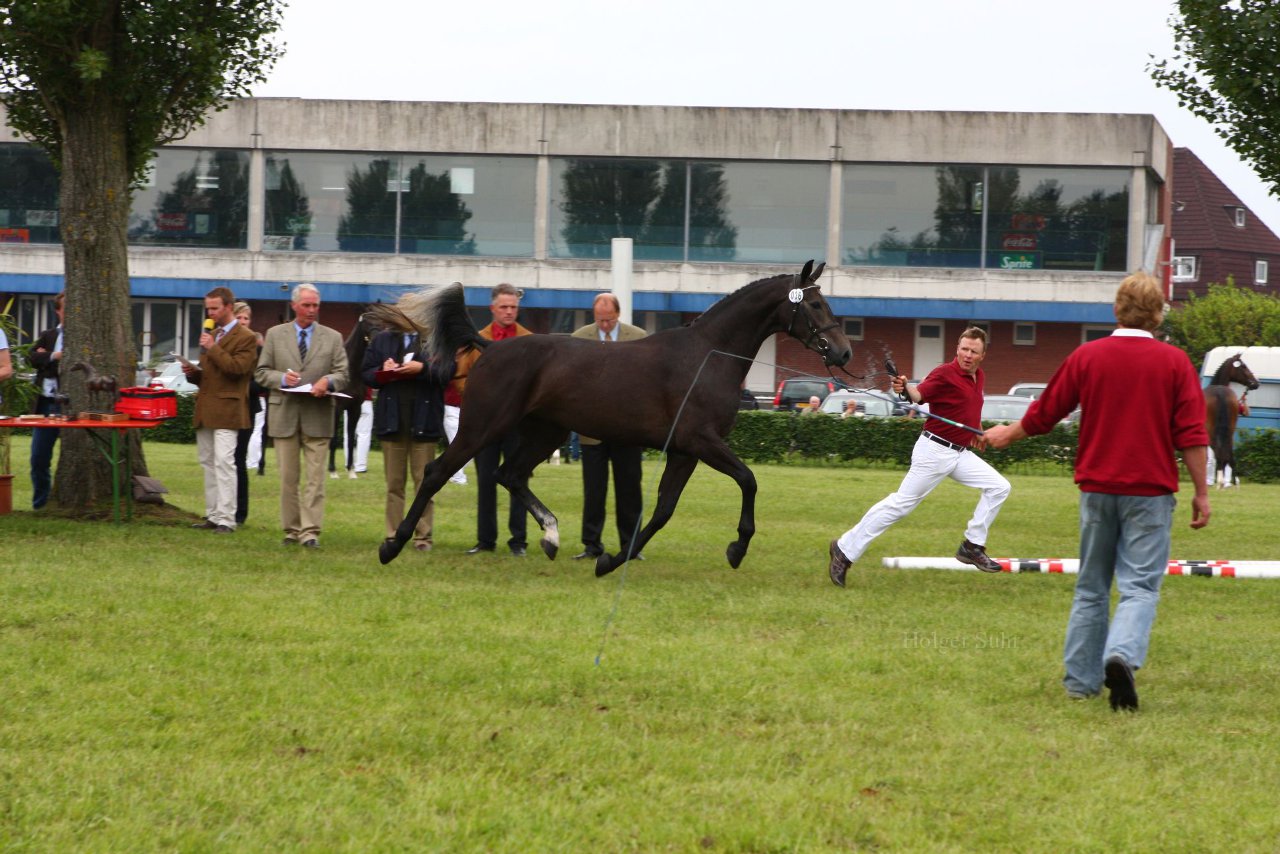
point(677, 390)
point(1221, 409)
point(357, 342)
point(94, 381)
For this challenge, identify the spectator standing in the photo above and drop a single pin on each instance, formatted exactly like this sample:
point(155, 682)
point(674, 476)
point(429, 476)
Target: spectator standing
point(301, 363)
point(408, 417)
point(46, 357)
point(598, 455)
point(504, 305)
point(1140, 402)
point(245, 436)
point(953, 391)
point(228, 353)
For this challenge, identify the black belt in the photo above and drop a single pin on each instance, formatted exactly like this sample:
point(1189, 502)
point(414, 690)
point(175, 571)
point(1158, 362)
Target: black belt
point(941, 441)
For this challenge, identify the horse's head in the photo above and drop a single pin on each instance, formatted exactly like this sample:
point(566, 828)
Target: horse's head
point(1239, 373)
point(812, 322)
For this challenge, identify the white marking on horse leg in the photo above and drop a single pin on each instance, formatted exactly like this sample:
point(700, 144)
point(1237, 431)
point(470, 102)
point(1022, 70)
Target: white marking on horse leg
point(552, 534)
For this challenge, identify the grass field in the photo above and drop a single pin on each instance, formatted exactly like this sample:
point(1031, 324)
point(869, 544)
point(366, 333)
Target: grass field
point(163, 689)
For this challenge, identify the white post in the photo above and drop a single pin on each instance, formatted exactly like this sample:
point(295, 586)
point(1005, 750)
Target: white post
point(621, 266)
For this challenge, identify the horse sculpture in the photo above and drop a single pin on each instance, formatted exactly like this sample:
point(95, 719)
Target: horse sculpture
point(356, 343)
point(1222, 408)
point(676, 390)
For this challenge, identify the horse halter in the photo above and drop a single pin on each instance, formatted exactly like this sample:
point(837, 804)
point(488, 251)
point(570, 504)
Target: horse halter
point(796, 297)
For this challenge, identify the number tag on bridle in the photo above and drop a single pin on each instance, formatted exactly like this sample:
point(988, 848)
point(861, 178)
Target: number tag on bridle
point(796, 295)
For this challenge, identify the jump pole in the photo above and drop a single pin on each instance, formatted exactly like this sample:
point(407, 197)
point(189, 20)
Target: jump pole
point(1071, 566)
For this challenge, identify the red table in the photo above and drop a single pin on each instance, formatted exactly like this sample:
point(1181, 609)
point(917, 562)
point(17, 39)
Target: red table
point(109, 445)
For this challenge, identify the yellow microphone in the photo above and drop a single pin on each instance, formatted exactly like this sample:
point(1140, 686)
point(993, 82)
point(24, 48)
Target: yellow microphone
point(208, 327)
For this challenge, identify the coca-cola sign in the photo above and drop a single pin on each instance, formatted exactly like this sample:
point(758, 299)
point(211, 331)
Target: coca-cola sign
point(1019, 242)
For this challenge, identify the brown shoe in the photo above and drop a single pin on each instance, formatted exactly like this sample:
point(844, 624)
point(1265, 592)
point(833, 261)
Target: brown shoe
point(976, 555)
point(840, 564)
point(204, 525)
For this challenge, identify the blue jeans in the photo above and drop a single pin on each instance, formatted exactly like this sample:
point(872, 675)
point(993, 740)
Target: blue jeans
point(1125, 538)
point(42, 441)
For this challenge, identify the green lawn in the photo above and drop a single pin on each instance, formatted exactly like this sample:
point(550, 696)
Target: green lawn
point(163, 689)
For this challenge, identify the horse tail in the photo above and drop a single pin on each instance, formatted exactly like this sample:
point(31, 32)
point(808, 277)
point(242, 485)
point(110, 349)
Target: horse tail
point(1222, 439)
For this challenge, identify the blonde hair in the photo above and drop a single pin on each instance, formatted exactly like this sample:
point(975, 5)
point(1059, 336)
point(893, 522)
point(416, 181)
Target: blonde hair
point(1140, 302)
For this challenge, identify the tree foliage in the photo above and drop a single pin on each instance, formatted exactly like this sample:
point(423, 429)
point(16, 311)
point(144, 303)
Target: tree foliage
point(1226, 316)
point(1226, 69)
point(165, 65)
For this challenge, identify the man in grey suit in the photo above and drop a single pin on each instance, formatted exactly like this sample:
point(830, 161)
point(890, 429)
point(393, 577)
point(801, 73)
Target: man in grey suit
point(301, 363)
point(597, 455)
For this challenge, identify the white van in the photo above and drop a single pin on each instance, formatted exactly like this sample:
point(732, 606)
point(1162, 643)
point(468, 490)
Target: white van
point(1264, 401)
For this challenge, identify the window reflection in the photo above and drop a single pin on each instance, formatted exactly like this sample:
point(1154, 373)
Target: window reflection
point(912, 216)
point(28, 196)
point(1058, 218)
point(193, 197)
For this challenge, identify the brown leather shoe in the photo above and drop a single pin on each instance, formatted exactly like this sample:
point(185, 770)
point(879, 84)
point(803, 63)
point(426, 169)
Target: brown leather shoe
point(839, 565)
point(976, 555)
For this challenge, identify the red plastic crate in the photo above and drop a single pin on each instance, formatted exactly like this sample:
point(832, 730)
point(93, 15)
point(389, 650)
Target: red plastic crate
point(148, 404)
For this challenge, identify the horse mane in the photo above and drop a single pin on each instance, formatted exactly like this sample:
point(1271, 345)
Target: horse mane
point(1222, 374)
point(758, 284)
point(439, 316)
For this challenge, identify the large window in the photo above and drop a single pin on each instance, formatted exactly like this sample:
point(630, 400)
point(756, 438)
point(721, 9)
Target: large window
point(412, 204)
point(1032, 218)
point(193, 197)
point(28, 196)
point(676, 210)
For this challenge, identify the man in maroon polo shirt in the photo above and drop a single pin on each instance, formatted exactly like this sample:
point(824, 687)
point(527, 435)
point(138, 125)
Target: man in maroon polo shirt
point(953, 391)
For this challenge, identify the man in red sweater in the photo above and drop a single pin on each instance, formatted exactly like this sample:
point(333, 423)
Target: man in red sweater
point(953, 391)
point(1140, 402)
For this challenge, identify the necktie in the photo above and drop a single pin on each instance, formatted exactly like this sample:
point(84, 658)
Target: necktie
point(218, 335)
point(302, 345)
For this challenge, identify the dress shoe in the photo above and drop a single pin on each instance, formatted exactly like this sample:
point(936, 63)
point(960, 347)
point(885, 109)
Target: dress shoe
point(204, 525)
point(976, 555)
point(477, 549)
point(1119, 681)
point(518, 551)
point(586, 555)
point(311, 544)
point(289, 541)
point(224, 529)
point(422, 547)
point(840, 564)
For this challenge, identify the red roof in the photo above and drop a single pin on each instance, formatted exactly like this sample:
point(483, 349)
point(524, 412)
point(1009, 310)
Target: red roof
point(1204, 213)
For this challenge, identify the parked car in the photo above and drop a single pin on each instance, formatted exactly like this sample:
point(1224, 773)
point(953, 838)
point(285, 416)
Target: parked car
point(172, 377)
point(1004, 407)
point(869, 404)
point(795, 393)
point(1031, 390)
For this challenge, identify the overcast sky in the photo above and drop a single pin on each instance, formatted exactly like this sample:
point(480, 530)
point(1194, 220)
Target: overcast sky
point(1031, 55)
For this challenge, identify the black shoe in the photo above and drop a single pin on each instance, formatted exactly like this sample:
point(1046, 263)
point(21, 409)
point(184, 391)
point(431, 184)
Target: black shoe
point(586, 554)
point(1119, 681)
point(839, 566)
point(518, 551)
point(224, 529)
point(976, 555)
point(290, 541)
point(477, 549)
point(311, 544)
point(205, 525)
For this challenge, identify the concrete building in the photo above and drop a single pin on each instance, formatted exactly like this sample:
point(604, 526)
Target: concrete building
point(928, 221)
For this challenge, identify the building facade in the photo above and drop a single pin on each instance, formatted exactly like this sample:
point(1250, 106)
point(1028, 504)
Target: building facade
point(928, 221)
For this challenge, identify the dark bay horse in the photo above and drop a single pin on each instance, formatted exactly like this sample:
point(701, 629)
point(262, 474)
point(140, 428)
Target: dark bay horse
point(356, 343)
point(677, 389)
point(1221, 409)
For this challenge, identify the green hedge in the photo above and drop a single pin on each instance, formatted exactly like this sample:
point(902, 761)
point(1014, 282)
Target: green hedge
point(788, 436)
point(177, 429)
point(1258, 456)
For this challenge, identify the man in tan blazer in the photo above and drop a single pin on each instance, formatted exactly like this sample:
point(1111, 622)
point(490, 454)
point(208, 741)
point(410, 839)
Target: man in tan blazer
point(228, 352)
point(597, 455)
point(301, 363)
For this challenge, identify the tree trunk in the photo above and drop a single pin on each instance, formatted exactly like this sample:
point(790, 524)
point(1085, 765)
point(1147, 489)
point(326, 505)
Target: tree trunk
point(94, 218)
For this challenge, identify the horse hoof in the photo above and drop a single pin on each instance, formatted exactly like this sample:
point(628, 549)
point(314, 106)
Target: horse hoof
point(604, 566)
point(735, 553)
point(389, 550)
point(549, 548)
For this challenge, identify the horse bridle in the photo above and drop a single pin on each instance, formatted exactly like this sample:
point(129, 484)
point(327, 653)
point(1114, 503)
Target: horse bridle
point(796, 296)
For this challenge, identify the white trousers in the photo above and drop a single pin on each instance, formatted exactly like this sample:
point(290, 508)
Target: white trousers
point(451, 415)
point(364, 437)
point(930, 464)
point(254, 455)
point(217, 453)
